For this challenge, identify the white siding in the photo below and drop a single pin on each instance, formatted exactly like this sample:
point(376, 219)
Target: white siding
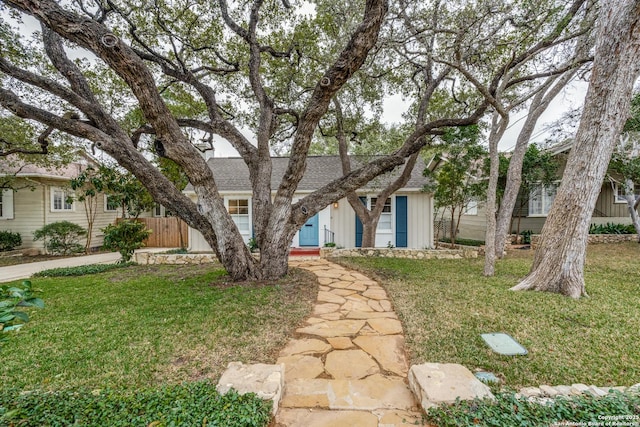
point(33, 210)
point(419, 220)
point(342, 222)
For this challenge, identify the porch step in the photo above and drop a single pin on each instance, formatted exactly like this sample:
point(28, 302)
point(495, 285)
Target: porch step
point(304, 252)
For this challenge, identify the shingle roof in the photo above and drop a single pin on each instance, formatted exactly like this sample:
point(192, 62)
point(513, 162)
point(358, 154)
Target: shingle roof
point(232, 174)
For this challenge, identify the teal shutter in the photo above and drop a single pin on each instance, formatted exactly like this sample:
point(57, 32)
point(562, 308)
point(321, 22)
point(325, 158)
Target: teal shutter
point(401, 221)
point(359, 225)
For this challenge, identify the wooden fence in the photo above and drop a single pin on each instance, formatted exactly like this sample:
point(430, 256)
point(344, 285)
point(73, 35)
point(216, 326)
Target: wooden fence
point(170, 232)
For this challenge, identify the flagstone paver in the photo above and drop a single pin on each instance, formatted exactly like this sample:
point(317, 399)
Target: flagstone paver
point(347, 366)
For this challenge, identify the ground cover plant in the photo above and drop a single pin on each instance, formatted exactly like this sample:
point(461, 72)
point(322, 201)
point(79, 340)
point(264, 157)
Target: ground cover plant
point(193, 404)
point(508, 411)
point(147, 326)
point(446, 304)
point(80, 270)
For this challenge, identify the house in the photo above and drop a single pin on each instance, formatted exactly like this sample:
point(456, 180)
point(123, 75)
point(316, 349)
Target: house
point(407, 219)
point(42, 197)
point(531, 209)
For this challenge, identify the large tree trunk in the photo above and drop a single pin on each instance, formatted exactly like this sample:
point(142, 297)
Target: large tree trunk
point(558, 265)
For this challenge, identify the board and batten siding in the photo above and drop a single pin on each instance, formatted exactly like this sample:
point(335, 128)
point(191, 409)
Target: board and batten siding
point(419, 221)
point(606, 210)
point(341, 221)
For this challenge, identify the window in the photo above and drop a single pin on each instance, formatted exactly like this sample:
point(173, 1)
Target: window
point(541, 198)
point(384, 223)
point(619, 193)
point(239, 210)
point(60, 200)
point(157, 210)
point(471, 208)
point(6, 204)
point(111, 203)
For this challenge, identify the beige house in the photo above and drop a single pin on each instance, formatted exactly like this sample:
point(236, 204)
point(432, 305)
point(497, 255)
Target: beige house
point(41, 198)
point(531, 209)
point(407, 219)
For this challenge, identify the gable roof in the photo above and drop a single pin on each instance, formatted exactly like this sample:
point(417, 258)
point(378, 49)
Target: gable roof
point(232, 174)
point(64, 172)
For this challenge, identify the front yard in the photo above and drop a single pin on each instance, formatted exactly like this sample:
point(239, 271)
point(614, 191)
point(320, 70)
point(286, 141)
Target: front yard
point(146, 326)
point(446, 304)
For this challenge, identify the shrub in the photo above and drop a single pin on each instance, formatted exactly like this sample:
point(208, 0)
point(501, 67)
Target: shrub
point(9, 241)
point(12, 297)
point(193, 404)
point(61, 238)
point(463, 242)
point(125, 237)
point(507, 411)
point(177, 251)
point(526, 236)
point(611, 228)
point(81, 270)
point(253, 245)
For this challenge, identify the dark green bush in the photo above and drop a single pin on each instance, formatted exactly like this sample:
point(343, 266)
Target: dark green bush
point(177, 251)
point(125, 237)
point(611, 228)
point(508, 411)
point(61, 238)
point(526, 236)
point(194, 404)
point(9, 240)
point(463, 242)
point(81, 270)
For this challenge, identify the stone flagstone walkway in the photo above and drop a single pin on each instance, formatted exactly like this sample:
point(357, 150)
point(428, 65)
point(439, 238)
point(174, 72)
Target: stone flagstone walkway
point(347, 366)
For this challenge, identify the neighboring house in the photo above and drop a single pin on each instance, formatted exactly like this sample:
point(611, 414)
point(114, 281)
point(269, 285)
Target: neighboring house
point(42, 198)
point(407, 220)
point(531, 210)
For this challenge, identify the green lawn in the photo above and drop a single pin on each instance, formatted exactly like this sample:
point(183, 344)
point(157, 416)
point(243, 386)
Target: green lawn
point(446, 304)
point(146, 326)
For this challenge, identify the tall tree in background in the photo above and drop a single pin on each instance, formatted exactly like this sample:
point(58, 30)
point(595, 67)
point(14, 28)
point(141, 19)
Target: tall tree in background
point(539, 168)
point(558, 265)
point(460, 180)
point(625, 161)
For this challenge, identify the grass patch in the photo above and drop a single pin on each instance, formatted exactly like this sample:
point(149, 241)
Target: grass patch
point(446, 304)
point(146, 326)
point(81, 270)
point(194, 404)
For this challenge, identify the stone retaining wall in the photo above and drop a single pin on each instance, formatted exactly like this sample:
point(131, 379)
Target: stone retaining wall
point(596, 239)
point(400, 253)
point(147, 258)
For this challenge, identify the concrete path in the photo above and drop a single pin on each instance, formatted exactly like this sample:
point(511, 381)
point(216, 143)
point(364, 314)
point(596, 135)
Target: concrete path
point(24, 271)
point(347, 365)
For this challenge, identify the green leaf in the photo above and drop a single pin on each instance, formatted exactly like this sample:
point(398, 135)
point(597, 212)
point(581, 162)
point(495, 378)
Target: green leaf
point(21, 315)
point(5, 318)
point(34, 302)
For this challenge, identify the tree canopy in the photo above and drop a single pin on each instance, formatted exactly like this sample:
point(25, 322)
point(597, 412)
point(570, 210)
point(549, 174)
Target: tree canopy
point(166, 76)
